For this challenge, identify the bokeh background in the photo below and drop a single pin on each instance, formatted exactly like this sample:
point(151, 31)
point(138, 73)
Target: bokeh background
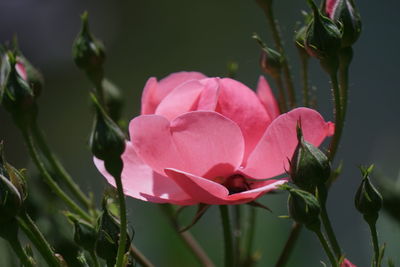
point(155, 38)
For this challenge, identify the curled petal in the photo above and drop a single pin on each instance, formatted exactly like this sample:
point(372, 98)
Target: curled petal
point(141, 182)
point(270, 157)
point(200, 142)
point(154, 92)
point(209, 192)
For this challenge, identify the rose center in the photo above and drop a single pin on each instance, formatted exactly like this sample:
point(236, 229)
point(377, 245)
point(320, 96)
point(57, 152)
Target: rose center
point(236, 183)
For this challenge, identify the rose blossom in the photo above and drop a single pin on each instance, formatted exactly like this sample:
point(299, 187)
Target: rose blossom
point(210, 140)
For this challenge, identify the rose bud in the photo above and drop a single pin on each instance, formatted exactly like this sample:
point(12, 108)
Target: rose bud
point(108, 236)
point(30, 74)
point(304, 208)
point(15, 93)
point(345, 14)
point(88, 52)
point(270, 60)
point(323, 38)
point(299, 38)
point(107, 141)
point(368, 200)
point(84, 235)
point(309, 166)
point(347, 263)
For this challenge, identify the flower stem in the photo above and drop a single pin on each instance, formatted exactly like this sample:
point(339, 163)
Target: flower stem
point(374, 235)
point(49, 180)
point(266, 6)
point(346, 56)
point(250, 236)
point(187, 238)
point(58, 167)
point(123, 225)
point(227, 235)
point(281, 94)
point(94, 259)
point(304, 76)
point(289, 245)
point(139, 257)
point(237, 233)
point(326, 247)
point(338, 116)
point(33, 233)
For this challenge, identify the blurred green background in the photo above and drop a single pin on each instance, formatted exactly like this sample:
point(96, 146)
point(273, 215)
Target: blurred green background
point(155, 38)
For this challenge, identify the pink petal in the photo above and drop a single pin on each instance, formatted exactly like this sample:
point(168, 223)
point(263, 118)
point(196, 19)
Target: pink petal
point(347, 263)
point(200, 142)
point(154, 93)
point(240, 104)
point(267, 98)
point(141, 182)
point(208, 192)
point(21, 70)
point(270, 157)
point(185, 98)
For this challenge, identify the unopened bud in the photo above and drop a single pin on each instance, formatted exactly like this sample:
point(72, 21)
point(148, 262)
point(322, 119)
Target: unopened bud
point(304, 208)
point(107, 141)
point(368, 200)
point(270, 60)
point(323, 38)
point(88, 52)
point(108, 236)
point(30, 74)
point(309, 166)
point(345, 14)
point(84, 235)
point(299, 39)
point(15, 93)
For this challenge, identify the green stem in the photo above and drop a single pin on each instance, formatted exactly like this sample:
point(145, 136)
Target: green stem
point(49, 180)
point(322, 196)
point(33, 233)
point(227, 235)
point(58, 167)
point(251, 234)
point(338, 116)
point(24, 258)
point(304, 76)
point(289, 245)
point(266, 5)
point(326, 247)
point(237, 233)
point(374, 234)
point(281, 94)
point(139, 257)
point(187, 237)
point(123, 227)
point(346, 56)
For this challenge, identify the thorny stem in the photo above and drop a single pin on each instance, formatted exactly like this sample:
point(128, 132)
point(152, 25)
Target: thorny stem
point(237, 233)
point(33, 233)
point(374, 234)
point(187, 238)
point(228, 242)
point(58, 167)
point(338, 116)
point(18, 249)
point(281, 94)
point(251, 234)
point(139, 257)
point(326, 247)
point(266, 6)
point(346, 56)
point(49, 180)
point(289, 245)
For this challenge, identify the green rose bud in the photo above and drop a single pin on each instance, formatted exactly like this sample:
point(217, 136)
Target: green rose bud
point(368, 200)
point(309, 166)
point(270, 60)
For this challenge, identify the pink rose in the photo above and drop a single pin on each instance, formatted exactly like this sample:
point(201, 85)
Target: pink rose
point(210, 140)
point(347, 263)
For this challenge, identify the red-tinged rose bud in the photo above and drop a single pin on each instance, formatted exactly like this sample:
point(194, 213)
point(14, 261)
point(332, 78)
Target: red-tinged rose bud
point(30, 74)
point(345, 14)
point(323, 39)
point(270, 60)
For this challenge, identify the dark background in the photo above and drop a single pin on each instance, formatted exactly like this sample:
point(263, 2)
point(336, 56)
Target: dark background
point(155, 38)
